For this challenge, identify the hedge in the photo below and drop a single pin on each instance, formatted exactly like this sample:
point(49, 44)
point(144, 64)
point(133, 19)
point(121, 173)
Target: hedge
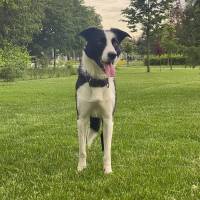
point(163, 60)
point(50, 72)
point(193, 56)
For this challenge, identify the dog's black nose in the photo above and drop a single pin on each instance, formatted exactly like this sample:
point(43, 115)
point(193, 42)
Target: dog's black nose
point(112, 55)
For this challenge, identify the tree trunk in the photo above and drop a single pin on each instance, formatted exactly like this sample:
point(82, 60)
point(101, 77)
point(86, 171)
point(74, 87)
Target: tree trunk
point(148, 47)
point(54, 59)
point(74, 55)
point(170, 61)
point(160, 63)
point(148, 42)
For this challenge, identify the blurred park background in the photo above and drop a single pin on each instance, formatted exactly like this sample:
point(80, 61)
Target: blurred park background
point(39, 39)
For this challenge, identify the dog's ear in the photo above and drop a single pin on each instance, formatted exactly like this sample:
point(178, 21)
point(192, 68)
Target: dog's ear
point(120, 34)
point(89, 32)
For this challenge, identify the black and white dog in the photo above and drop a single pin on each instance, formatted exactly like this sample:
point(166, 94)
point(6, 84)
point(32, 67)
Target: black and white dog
point(95, 90)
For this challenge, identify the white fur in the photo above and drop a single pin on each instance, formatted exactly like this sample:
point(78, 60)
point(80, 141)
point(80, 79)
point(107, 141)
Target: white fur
point(96, 102)
point(109, 47)
point(91, 67)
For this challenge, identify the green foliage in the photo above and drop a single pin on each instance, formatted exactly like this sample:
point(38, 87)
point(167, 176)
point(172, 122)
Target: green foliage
point(128, 46)
point(141, 45)
point(14, 60)
point(1, 58)
point(150, 14)
point(63, 69)
point(43, 61)
point(7, 74)
point(62, 22)
point(19, 20)
point(42, 73)
point(42, 27)
point(168, 39)
point(164, 60)
point(192, 56)
point(63, 62)
point(188, 33)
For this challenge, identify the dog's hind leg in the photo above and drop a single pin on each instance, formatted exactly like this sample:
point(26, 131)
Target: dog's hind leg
point(82, 134)
point(94, 128)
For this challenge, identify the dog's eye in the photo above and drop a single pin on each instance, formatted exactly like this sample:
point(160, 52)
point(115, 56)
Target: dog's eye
point(115, 42)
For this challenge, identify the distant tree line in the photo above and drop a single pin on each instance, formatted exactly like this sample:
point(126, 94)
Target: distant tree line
point(168, 29)
point(44, 29)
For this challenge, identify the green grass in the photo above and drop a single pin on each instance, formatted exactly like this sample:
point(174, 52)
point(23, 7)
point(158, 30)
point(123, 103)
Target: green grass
point(156, 142)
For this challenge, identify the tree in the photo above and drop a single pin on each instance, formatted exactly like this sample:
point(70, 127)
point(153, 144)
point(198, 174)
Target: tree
point(169, 41)
point(63, 20)
point(150, 14)
point(128, 48)
point(13, 62)
point(188, 34)
point(19, 20)
point(192, 56)
point(159, 51)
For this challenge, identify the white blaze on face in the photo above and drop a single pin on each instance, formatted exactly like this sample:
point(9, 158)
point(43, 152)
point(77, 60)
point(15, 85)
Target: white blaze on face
point(109, 46)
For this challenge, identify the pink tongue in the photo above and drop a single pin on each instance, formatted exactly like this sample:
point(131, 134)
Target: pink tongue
point(109, 70)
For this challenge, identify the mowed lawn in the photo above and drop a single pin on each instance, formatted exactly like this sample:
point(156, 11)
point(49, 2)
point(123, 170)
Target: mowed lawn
point(156, 141)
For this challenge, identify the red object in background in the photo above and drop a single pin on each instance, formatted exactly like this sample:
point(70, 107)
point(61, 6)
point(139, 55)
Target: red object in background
point(158, 49)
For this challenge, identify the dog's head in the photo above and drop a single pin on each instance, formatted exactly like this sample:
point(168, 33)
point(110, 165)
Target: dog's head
point(103, 46)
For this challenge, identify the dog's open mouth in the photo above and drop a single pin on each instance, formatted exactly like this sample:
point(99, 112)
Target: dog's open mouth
point(109, 69)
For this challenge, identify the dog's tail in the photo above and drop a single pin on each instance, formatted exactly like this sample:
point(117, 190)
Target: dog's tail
point(95, 124)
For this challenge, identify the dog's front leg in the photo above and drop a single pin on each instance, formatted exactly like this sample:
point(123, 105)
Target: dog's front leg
point(107, 136)
point(82, 133)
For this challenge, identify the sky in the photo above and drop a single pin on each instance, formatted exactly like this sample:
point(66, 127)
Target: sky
point(110, 10)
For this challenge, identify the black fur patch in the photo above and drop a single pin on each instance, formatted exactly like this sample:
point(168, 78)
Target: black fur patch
point(120, 34)
point(95, 123)
point(80, 81)
point(96, 43)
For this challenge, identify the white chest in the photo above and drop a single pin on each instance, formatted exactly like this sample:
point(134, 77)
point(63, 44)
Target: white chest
point(96, 101)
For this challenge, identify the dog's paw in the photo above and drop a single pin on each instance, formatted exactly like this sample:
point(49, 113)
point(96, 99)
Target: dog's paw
point(81, 166)
point(107, 169)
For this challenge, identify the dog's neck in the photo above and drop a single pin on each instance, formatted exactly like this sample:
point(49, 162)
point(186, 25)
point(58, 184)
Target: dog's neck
point(90, 66)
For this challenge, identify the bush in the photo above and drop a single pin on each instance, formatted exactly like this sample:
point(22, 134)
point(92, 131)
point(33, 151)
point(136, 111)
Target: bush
point(70, 68)
point(7, 74)
point(13, 62)
point(50, 72)
point(163, 60)
point(192, 56)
